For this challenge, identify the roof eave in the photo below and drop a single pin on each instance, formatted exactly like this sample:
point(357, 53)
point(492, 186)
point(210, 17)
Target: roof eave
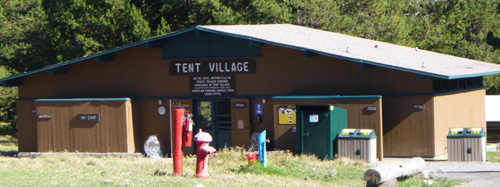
point(16, 78)
point(5, 81)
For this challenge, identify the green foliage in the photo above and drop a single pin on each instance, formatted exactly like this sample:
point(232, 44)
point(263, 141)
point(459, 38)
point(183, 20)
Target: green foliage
point(309, 167)
point(8, 98)
point(166, 15)
point(464, 28)
point(65, 169)
point(8, 106)
point(23, 40)
point(38, 33)
point(493, 157)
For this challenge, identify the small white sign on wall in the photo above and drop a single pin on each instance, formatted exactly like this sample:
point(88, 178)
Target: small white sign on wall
point(240, 124)
point(313, 118)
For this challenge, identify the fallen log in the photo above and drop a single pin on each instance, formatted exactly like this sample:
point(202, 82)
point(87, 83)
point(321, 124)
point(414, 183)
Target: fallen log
point(391, 171)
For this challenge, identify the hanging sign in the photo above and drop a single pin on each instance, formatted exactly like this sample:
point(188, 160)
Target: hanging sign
point(418, 107)
point(44, 116)
point(88, 117)
point(239, 105)
point(217, 66)
point(212, 86)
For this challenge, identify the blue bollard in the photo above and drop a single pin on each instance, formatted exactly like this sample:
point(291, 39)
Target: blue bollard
point(262, 148)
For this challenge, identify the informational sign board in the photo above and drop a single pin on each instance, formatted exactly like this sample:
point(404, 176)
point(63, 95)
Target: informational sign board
point(287, 115)
point(207, 67)
point(212, 86)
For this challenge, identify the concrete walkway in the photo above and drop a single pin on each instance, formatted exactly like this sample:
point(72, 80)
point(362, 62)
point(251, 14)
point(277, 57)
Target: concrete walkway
point(476, 174)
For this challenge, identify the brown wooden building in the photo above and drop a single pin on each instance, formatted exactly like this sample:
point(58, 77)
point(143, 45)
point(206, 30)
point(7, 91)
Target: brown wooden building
point(238, 79)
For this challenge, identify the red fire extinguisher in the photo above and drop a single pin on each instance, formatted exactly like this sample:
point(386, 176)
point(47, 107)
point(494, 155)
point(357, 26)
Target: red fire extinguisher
point(187, 133)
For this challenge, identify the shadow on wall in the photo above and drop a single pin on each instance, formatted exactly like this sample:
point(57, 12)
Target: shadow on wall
point(286, 141)
point(407, 125)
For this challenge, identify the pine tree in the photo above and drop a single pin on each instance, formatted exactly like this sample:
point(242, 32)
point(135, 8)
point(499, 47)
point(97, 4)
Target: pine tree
point(36, 34)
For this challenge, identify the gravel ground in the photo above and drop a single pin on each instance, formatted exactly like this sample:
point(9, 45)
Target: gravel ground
point(477, 174)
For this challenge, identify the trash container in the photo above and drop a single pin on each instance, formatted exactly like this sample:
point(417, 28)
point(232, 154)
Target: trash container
point(317, 129)
point(467, 144)
point(358, 144)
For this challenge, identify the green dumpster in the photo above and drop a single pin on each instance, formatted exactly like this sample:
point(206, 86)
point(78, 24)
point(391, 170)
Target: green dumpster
point(318, 127)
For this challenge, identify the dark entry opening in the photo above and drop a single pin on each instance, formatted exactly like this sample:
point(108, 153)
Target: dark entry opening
point(214, 117)
point(318, 127)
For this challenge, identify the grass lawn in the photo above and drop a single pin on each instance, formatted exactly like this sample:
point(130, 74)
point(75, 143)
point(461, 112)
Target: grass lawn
point(493, 157)
point(226, 168)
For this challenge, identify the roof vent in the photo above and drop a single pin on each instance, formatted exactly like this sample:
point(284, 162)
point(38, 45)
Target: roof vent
point(376, 46)
point(423, 64)
point(347, 50)
point(416, 48)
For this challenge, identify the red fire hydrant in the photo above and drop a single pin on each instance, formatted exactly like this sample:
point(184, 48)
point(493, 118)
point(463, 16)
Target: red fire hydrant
point(202, 139)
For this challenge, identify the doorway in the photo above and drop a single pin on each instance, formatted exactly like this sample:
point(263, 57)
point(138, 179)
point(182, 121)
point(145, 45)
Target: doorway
point(214, 117)
point(318, 127)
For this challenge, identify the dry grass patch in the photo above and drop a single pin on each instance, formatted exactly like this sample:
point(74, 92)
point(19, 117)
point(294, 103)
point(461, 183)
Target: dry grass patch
point(227, 168)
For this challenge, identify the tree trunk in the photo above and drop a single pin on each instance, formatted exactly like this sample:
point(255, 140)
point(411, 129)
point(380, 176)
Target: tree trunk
point(386, 172)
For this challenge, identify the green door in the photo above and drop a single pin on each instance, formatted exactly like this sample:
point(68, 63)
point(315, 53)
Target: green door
point(314, 132)
point(318, 127)
point(214, 117)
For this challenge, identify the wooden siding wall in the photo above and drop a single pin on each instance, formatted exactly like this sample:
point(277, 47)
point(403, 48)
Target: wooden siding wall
point(148, 122)
point(465, 109)
point(358, 118)
point(408, 131)
point(64, 132)
point(267, 118)
point(280, 71)
point(26, 128)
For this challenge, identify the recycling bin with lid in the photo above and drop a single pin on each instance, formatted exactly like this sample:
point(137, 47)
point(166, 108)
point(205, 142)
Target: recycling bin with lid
point(358, 144)
point(467, 144)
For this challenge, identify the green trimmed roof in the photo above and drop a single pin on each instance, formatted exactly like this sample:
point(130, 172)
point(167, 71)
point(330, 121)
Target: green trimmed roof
point(360, 50)
point(313, 41)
